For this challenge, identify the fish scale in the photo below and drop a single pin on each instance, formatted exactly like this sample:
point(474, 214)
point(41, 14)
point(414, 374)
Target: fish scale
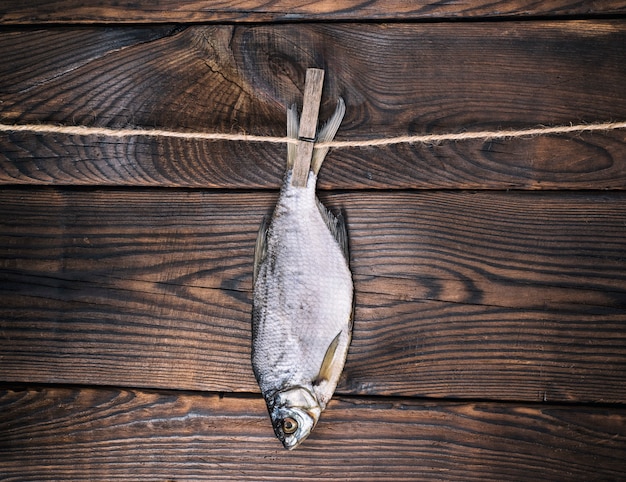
point(303, 273)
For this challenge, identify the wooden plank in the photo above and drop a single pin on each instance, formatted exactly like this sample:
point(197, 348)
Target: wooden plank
point(16, 12)
point(107, 434)
point(34, 57)
point(397, 79)
point(492, 295)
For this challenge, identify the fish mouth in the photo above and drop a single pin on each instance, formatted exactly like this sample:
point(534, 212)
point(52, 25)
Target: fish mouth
point(293, 425)
point(294, 413)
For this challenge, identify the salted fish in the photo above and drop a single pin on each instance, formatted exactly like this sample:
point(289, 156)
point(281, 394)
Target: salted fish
point(303, 299)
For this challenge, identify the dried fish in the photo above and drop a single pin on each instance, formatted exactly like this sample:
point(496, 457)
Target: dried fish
point(303, 299)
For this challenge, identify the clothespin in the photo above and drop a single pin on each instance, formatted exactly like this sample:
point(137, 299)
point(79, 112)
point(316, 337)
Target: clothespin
point(308, 126)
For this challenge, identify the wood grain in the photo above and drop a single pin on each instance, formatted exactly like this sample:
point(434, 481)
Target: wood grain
point(87, 434)
point(396, 78)
point(490, 327)
point(491, 295)
point(16, 12)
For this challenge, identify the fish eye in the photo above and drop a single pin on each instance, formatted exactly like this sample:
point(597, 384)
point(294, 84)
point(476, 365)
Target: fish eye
point(289, 425)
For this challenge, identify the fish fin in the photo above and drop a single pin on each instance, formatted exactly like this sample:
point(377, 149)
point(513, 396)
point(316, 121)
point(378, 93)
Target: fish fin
point(326, 370)
point(260, 249)
point(337, 227)
point(327, 134)
point(341, 235)
point(293, 124)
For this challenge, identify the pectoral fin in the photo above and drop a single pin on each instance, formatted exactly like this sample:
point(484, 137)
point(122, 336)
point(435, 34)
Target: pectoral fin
point(326, 370)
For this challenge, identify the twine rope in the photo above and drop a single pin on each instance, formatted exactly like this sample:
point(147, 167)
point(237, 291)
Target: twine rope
point(384, 141)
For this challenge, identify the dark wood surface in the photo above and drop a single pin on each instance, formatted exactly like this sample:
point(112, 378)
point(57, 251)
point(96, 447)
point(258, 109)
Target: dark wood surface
point(490, 324)
point(499, 75)
point(139, 435)
point(27, 12)
point(506, 296)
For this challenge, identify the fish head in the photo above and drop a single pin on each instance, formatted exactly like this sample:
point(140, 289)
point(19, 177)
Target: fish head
point(294, 413)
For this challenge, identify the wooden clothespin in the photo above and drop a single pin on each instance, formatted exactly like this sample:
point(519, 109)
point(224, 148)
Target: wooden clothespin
point(308, 126)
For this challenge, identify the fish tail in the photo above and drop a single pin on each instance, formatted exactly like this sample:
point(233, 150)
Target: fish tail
point(327, 134)
point(293, 124)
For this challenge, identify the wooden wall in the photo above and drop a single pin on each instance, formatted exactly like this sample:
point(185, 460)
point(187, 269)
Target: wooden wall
point(490, 327)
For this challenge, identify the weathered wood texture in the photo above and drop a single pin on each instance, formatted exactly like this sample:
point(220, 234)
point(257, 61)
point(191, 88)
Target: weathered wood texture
point(396, 79)
point(68, 434)
point(18, 12)
point(114, 289)
point(504, 296)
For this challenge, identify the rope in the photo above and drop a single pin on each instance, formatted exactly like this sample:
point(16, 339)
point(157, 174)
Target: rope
point(480, 135)
point(104, 131)
point(417, 139)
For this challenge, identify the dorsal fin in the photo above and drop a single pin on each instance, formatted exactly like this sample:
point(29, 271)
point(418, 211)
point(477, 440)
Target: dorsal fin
point(337, 227)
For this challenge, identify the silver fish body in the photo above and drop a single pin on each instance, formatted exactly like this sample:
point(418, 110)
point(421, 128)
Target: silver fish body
point(302, 303)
